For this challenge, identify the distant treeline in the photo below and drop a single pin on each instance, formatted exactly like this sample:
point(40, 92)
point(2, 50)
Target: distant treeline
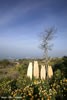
point(56, 63)
point(6, 63)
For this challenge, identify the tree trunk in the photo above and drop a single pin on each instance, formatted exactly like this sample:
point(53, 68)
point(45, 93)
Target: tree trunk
point(46, 56)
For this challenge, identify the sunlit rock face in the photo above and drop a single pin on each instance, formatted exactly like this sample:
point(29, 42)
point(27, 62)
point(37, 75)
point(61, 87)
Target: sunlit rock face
point(43, 72)
point(29, 71)
point(50, 72)
point(36, 69)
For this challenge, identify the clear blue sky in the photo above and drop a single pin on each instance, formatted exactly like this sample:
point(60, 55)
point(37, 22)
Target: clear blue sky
point(21, 22)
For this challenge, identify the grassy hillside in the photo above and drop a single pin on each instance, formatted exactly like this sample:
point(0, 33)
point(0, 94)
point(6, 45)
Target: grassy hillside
point(14, 81)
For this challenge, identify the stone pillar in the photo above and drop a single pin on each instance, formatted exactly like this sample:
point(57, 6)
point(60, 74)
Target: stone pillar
point(29, 71)
point(36, 70)
point(50, 71)
point(43, 72)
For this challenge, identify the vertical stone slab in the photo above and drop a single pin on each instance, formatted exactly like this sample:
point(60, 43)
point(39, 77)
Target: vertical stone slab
point(50, 72)
point(36, 70)
point(29, 71)
point(43, 72)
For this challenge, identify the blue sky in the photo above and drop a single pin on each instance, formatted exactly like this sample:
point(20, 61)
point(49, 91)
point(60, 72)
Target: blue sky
point(21, 22)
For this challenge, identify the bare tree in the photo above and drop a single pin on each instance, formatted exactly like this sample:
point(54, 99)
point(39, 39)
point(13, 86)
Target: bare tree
point(46, 37)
